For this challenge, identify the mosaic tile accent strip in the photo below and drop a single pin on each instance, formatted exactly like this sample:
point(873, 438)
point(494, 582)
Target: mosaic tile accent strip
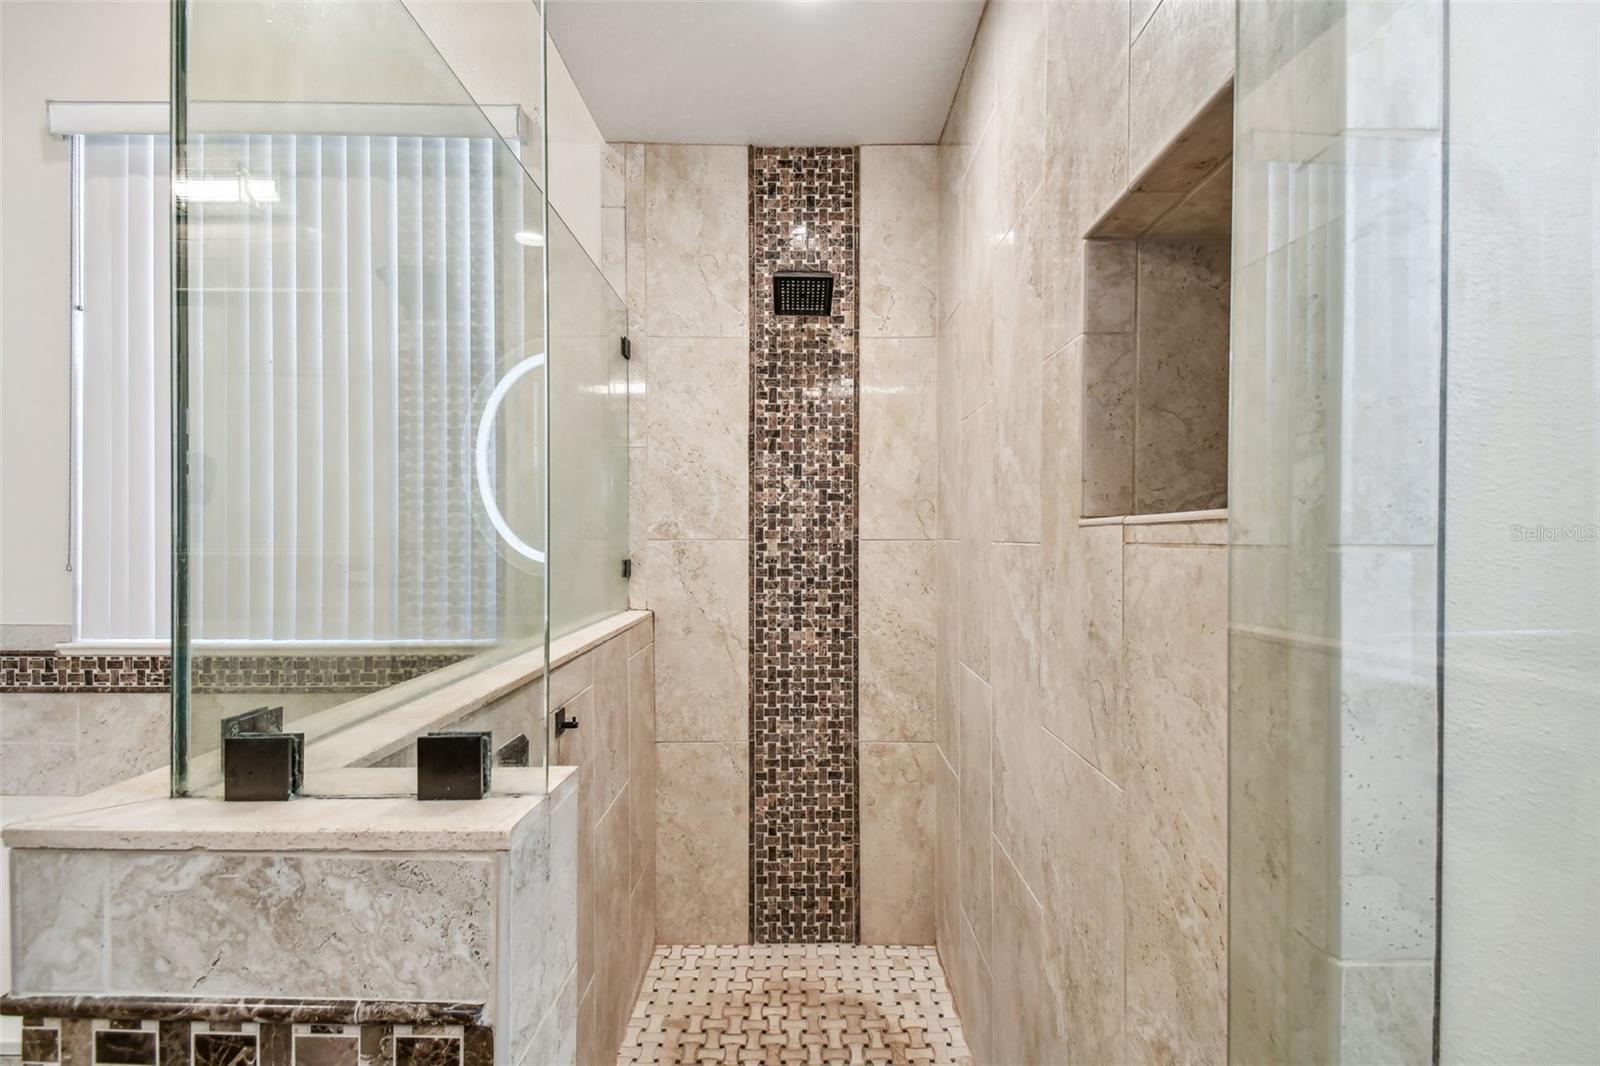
point(34, 671)
point(804, 822)
point(778, 1004)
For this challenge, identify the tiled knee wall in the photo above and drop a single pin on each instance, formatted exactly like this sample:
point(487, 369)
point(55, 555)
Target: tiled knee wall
point(804, 782)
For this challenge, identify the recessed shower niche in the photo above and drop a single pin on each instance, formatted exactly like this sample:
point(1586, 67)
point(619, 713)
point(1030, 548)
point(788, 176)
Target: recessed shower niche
point(1155, 371)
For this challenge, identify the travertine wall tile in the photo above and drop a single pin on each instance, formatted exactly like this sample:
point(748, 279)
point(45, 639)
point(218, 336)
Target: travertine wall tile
point(899, 675)
point(899, 472)
point(1109, 413)
point(897, 846)
point(696, 241)
point(947, 650)
point(698, 482)
point(1175, 858)
point(1183, 57)
point(1084, 905)
point(702, 843)
point(977, 544)
point(1020, 72)
point(542, 934)
point(642, 763)
point(1180, 458)
point(699, 591)
point(616, 974)
point(58, 920)
point(976, 829)
point(899, 240)
point(1017, 747)
point(1027, 1024)
point(400, 928)
point(1017, 332)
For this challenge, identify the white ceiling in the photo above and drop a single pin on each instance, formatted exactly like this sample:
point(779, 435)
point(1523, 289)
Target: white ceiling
point(780, 72)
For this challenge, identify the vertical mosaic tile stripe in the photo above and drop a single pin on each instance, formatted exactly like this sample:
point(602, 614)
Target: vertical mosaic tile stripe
point(804, 822)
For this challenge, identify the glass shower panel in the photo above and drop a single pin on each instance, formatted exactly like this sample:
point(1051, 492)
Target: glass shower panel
point(1334, 516)
point(588, 438)
point(360, 294)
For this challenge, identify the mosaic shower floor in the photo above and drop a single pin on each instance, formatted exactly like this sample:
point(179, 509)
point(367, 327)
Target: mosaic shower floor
point(782, 1004)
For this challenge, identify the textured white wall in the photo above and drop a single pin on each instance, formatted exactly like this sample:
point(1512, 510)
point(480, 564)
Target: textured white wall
point(78, 51)
point(1521, 822)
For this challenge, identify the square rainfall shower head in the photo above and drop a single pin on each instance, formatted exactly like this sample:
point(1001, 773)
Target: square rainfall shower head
point(802, 292)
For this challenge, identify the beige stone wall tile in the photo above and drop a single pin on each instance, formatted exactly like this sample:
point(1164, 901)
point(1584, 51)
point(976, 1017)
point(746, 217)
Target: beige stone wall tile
point(58, 920)
point(1175, 859)
point(899, 240)
point(609, 720)
point(976, 831)
point(615, 952)
point(1087, 110)
point(1020, 73)
point(381, 927)
point(1018, 324)
point(1181, 440)
point(1083, 902)
point(1180, 61)
point(697, 240)
point(948, 920)
point(1110, 286)
point(899, 450)
point(1139, 12)
point(947, 649)
point(642, 762)
point(1110, 378)
point(977, 543)
point(698, 487)
point(700, 593)
point(702, 843)
point(897, 846)
point(898, 641)
point(1018, 801)
point(1028, 1025)
point(947, 428)
point(1081, 659)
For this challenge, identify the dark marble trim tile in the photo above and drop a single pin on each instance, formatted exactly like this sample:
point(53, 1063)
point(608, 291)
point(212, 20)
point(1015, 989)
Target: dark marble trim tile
point(244, 1009)
point(226, 1049)
point(117, 1046)
point(40, 1044)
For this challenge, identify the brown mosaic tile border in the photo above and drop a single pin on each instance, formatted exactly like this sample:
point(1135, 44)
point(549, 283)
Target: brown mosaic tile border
point(804, 818)
point(35, 671)
point(50, 1041)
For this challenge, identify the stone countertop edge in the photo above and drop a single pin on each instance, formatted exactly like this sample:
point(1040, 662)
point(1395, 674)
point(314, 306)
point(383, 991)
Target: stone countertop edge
point(395, 823)
point(243, 1009)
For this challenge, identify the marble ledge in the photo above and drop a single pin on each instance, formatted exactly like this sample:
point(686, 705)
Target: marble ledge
point(323, 823)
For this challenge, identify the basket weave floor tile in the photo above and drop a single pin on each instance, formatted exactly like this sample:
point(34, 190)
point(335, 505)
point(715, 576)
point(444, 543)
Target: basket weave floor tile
point(783, 1004)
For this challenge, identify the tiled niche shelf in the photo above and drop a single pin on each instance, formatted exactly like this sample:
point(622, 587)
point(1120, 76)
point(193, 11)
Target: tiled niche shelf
point(1155, 358)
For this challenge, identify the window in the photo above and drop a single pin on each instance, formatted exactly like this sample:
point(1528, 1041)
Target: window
point(349, 313)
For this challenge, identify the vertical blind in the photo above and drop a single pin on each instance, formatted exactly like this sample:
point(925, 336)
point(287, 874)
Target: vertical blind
point(342, 325)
